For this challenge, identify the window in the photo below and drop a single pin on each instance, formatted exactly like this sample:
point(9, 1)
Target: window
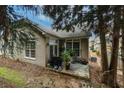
point(76, 48)
point(53, 50)
point(68, 45)
point(74, 45)
point(30, 49)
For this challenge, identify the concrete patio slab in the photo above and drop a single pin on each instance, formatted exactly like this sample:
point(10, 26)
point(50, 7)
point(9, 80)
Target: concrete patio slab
point(79, 69)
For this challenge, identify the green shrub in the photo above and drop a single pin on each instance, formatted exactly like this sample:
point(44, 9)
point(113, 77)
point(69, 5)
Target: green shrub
point(71, 52)
point(66, 58)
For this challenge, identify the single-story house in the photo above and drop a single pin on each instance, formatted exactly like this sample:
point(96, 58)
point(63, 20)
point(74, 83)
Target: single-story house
point(48, 43)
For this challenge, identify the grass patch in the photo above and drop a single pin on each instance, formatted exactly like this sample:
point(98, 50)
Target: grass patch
point(12, 76)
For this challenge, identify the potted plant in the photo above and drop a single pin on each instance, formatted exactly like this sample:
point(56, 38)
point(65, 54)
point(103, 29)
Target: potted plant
point(66, 58)
point(71, 52)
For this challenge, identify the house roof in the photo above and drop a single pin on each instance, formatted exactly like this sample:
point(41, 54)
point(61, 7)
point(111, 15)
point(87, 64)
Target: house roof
point(77, 33)
point(41, 29)
point(59, 34)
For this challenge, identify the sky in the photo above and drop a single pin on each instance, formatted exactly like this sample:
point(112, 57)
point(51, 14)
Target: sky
point(38, 19)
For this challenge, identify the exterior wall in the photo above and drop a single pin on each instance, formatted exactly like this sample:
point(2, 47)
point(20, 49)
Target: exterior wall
point(84, 48)
point(41, 54)
point(42, 49)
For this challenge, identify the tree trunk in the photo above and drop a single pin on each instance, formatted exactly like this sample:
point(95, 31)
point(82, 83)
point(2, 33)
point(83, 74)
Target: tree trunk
point(114, 60)
point(115, 46)
point(104, 59)
point(122, 53)
point(122, 48)
point(5, 26)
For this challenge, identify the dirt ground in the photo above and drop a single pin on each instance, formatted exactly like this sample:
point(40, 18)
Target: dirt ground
point(95, 74)
point(95, 71)
point(40, 77)
point(5, 84)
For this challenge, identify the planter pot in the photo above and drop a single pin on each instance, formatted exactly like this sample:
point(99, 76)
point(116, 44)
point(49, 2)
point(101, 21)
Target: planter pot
point(67, 66)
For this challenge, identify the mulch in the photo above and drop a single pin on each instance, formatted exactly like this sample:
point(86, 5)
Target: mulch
point(37, 76)
point(5, 84)
point(95, 74)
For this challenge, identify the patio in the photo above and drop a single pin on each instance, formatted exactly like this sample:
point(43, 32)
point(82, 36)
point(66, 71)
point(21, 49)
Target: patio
point(79, 69)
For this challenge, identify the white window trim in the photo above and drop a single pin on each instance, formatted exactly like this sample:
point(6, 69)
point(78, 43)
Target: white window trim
point(32, 58)
point(54, 50)
point(55, 44)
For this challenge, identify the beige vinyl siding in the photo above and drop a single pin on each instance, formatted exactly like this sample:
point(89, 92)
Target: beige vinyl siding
point(84, 48)
point(40, 51)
